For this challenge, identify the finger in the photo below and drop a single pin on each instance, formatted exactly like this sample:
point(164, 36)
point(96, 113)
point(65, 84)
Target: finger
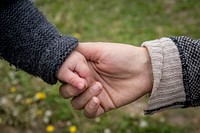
point(93, 108)
point(73, 79)
point(74, 71)
point(82, 68)
point(68, 91)
point(81, 100)
point(90, 50)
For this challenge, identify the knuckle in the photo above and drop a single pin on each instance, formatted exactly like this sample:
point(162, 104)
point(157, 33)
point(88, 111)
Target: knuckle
point(65, 91)
point(89, 115)
point(76, 105)
point(62, 92)
point(73, 81)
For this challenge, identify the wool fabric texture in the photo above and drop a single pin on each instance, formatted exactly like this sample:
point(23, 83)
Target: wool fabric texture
point(189, 51)
point(168, 90)
point(30, 42)
point(176, 72)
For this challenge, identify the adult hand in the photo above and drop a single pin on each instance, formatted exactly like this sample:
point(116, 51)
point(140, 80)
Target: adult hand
point(124, 72)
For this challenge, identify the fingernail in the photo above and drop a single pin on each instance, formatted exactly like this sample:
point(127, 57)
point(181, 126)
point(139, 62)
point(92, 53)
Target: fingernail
point(93, 104)
point(95, 89)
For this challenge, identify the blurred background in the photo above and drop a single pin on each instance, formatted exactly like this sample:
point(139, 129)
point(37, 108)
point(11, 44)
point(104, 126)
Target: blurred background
point(28, 105)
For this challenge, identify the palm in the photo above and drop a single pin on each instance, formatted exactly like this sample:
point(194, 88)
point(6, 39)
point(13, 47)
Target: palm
point(122, 77)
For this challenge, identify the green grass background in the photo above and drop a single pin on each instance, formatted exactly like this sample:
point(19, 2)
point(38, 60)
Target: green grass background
point(123, 21)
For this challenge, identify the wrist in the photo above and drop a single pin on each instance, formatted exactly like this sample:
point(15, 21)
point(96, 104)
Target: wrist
point(147, 72)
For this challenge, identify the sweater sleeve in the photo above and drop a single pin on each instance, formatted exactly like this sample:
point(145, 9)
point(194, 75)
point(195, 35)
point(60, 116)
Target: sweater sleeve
point(168, 89)
point(30, 42)
point(189, 51)
point(176, 72)
point(5, 3)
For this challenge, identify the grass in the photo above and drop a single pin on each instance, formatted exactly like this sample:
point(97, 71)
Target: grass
point(124, 21)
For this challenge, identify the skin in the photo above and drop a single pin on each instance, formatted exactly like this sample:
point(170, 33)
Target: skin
point(117, 74)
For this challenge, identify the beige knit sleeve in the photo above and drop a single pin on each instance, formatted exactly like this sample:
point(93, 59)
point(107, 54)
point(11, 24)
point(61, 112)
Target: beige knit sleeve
point(168, 90)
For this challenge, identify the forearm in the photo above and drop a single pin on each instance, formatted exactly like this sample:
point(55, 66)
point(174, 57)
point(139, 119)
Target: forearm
point(30, 42)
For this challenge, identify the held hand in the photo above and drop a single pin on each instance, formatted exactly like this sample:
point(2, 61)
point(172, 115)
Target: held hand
point(124, 72)
point(74, 71)
point(76, 77)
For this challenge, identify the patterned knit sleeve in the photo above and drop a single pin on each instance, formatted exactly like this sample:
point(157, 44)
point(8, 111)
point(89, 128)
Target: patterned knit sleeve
point(189, 51)
point(30, 42)
point(176, 72)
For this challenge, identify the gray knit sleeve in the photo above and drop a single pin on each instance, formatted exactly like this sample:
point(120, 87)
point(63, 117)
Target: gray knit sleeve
point(30, 42)
point(5, 3)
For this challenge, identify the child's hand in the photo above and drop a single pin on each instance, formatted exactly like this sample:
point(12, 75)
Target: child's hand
point(76, 76)
point(74, 71)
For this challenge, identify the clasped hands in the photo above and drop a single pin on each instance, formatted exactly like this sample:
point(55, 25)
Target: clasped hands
point(105, 76)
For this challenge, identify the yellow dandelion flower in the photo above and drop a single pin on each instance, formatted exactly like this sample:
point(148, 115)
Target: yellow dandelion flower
point(28, 101)
point(50, 128)
point(40, 96)
point(76, 35)
point(12, 89)
point(39, 112)
point(72, 129)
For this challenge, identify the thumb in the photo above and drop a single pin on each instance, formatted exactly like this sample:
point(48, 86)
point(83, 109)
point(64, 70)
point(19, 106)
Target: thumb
point(90, 50)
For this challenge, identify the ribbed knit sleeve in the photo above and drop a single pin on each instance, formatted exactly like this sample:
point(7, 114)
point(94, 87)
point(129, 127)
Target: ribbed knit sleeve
point(168, 89)
point(30, 42)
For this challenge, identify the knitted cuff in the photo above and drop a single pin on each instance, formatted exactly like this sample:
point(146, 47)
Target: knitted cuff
point(168, 90)
point(31, 43)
